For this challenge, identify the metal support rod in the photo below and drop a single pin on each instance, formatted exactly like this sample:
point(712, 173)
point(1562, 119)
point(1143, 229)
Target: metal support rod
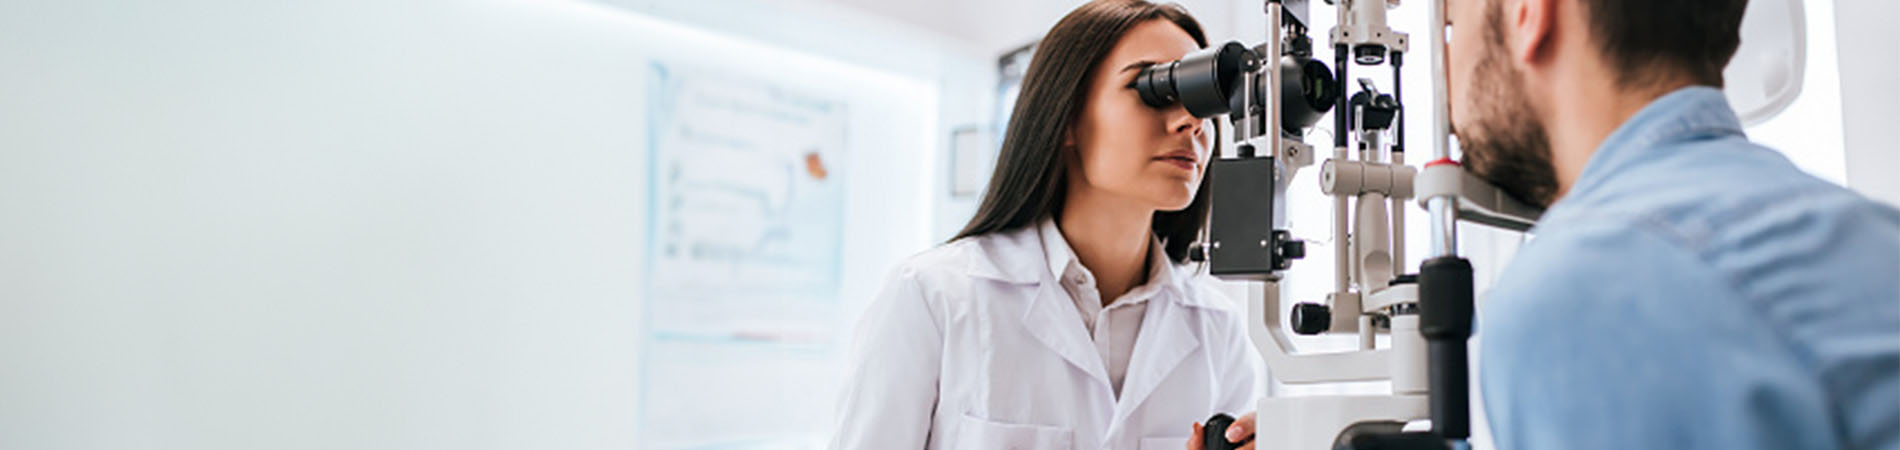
point(1342, 248)
point(1443, 210)
point(1270, 67)
point(1341, 62)
point(1448, 376)
point(1245, 133)
point(1445, 310)
point(1397, 211)
point(1398, 92)
point(1398, 159)
point(1446, 303)
point(1444, 236)
point(1441, 105)
point(1342, 113)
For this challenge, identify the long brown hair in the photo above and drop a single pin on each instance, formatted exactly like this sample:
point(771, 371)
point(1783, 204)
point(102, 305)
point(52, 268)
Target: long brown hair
point(1030, 182)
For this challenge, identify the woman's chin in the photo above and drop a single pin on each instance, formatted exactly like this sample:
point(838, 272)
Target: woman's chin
point(1175, 201)
point(1168, 195)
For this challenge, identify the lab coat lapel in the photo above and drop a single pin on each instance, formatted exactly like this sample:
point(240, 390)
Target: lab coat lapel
point(1016, 257)
point(1166, 339)
point(1052, 318)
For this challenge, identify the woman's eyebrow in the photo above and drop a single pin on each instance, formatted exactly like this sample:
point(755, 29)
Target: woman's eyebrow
point(1143, 64)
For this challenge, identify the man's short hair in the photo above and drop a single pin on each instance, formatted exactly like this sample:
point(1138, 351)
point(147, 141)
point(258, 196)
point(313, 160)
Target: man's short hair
point(1692, 38)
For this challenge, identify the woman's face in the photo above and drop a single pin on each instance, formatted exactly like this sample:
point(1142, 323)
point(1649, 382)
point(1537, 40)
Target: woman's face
point(1128, 150)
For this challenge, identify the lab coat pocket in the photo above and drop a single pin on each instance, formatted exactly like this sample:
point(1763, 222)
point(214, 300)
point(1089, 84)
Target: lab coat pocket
point(977, 433)
point(1164, 443)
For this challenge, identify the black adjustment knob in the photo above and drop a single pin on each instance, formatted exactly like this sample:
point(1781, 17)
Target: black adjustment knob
point(1311, 318)
point(1286, 249)
point(1214, 434)
point(1293, 249)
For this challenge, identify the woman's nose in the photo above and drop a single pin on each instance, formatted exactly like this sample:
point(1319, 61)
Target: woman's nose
point(1180, 121)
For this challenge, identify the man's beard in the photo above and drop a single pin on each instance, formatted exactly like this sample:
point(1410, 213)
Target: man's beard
point(1505, 143)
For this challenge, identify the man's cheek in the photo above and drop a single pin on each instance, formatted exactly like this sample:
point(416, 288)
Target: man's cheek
point(1457, 93)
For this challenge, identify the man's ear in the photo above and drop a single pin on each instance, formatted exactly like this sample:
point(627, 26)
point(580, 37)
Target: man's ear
point(1535, 23)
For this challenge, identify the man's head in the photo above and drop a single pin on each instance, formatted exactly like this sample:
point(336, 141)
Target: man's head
point(1519, 66)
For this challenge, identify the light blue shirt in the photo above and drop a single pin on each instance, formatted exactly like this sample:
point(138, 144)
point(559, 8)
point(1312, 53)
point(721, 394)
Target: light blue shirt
point(1696, 291)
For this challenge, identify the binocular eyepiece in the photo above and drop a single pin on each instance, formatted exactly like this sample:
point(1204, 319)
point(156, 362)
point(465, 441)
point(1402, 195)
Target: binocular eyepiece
point(1207, 83)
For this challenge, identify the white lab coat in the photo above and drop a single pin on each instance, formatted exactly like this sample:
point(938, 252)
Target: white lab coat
point(975, 345)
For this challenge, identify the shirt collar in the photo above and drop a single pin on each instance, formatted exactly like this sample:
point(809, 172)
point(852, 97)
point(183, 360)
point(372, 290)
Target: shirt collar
point(1693, 112)
point(1055, 249)
point(1062, 258)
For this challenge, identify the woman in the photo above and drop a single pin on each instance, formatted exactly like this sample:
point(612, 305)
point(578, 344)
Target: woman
point(1062, 316)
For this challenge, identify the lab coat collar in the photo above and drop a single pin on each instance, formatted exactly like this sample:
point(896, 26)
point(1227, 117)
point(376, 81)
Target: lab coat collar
point(1055, 322)
point(1061, 257)
point(1168, 332)
point(1166, 339)
point(1009, 256)
point(1055, 247)
point(1017, 257)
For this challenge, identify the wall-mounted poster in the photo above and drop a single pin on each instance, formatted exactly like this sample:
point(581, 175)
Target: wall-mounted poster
point(741, 308)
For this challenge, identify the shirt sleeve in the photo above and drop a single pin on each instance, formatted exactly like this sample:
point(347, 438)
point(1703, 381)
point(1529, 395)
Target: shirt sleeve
point(891, 396)
point(1616, 336)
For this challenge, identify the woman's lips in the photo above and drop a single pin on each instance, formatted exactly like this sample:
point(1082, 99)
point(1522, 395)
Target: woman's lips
point(1184, 159)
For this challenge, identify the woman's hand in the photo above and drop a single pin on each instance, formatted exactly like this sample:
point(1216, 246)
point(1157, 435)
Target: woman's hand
point(1240, 431)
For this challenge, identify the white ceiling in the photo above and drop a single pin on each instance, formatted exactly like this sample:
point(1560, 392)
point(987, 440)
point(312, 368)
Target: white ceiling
point(1000, 25)
point(985, 24)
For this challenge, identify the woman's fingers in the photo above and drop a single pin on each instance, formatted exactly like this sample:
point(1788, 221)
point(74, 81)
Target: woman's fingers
point(1241, 429)
point(1194, 439)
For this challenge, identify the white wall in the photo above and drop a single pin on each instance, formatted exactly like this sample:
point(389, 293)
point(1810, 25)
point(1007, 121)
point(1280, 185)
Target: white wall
point(1870, 103)
point(417, 223)
point(358, 224)
point(1809, 131)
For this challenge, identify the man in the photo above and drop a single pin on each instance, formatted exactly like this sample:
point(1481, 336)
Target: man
point(1685, 289)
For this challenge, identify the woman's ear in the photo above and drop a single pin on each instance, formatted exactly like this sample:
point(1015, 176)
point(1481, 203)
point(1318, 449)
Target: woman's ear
point(1068, 154)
